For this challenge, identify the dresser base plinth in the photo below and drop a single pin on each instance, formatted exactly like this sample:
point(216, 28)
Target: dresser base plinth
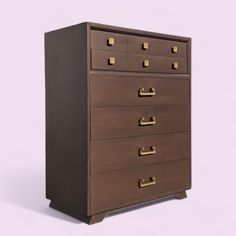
point(86, 219)
point(181, 195)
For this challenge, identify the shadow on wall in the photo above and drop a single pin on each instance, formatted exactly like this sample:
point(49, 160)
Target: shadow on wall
point(26, 189)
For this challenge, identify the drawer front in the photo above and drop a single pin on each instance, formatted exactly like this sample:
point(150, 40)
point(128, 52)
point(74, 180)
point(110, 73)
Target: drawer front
point(158, 47)
point(108, 41)
point(122, 188)
point(101, 60)
point(117, 154)
point(108, 123)
point(106, 60)
point(116, 91)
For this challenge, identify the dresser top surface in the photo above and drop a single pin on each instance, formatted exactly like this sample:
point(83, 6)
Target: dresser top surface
point(123, 30)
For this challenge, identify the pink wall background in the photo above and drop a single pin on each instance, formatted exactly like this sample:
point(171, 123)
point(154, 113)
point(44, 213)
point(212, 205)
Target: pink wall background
point(210, 207)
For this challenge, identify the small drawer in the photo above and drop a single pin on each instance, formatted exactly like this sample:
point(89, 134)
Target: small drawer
point(158, 47)
point(132, 91)
point(116, 61)
point(108, 123)
point(117, 154)
point(108, 41)
point(158, 64)
point(125, 187)
point(107, 60)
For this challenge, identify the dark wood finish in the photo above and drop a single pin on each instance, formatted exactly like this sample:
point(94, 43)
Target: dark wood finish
point(141, 33)
point(133, 44)
point(134, 62)
point(96, 218)
point(181, 195)
point(158, 47)
point(172, 176)
point(99, 41)
point(117, 154)
point(67, 117)
point(109, 123)
point(137, 74)
point(116, 91)
point(93, 137)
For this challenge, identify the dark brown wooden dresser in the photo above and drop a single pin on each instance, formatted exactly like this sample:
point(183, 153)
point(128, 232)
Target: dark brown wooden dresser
point(118, 118)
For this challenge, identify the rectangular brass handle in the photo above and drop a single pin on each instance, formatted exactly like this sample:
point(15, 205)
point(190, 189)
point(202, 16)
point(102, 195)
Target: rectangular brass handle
point(152, 121)
point(142, 92)
point(152, 151)
point(142, 183)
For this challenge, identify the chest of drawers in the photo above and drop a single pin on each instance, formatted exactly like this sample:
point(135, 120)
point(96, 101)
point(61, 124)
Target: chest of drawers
point(118, 128)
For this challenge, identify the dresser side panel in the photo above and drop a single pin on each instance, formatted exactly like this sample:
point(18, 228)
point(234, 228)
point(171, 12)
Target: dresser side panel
point(67, 117)
point(189, 56)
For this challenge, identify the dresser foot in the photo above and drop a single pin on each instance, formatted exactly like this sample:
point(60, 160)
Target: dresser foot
point(86, 219)
point(181, 195)
point(95, 218)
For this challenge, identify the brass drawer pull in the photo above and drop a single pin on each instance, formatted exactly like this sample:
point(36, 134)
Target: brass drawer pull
point(174, 49)
point(152, 151)
point(142, 92)
point(142, 183)
point(111, 61)
point(152, 121)
point(175, 65)
point(110, 41)
point(145, 45)
point(146, 63)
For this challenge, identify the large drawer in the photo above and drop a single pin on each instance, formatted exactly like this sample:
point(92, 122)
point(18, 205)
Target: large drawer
point(117, 61)
point(115, 154)
point(126, 91)
point(122, 188)
point(108, 123)
point(158, 47)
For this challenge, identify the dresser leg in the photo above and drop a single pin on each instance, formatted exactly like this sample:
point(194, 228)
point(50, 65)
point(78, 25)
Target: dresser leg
point(181, 195)
point(86, 219)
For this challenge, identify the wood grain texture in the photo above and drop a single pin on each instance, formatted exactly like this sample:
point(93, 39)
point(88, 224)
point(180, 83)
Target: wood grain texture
point(189, 62)
point(92, 116)
point(117, 154)
point(136, 32)
point(99, 41)
point(109, 123)
point(121, 188)
point(134, 62)
point(123, 91)
point(133, 44)
point(67, 117)
point(157, 47)
point(89, 219)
